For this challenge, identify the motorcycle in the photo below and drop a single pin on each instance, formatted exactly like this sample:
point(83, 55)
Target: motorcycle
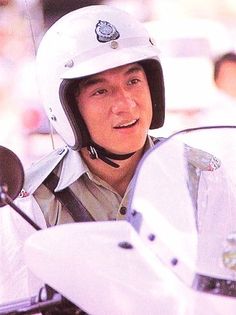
point(174, 254)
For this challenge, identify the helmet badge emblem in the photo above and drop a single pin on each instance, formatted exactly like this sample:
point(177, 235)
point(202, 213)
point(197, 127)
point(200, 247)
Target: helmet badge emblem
point(106, 31)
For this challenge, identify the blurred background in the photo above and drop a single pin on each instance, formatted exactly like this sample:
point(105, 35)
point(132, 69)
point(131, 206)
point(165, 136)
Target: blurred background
point(192, 36)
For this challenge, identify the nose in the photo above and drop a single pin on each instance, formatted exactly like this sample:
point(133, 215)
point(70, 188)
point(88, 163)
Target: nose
point(123, 102)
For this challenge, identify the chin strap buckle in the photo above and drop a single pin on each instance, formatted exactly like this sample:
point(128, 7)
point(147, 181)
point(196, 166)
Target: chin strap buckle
point(93, 153)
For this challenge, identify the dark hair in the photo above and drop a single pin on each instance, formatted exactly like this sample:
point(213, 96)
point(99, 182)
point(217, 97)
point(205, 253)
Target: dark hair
point(230, 56)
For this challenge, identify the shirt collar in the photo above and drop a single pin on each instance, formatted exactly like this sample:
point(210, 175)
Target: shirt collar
point(149, 143)
point(73, 167)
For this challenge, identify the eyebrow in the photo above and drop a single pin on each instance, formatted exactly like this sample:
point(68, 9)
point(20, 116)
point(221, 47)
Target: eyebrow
point(134, 69)
point(91, 80)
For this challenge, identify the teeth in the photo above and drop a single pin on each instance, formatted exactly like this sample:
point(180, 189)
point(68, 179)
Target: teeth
point(127, 124)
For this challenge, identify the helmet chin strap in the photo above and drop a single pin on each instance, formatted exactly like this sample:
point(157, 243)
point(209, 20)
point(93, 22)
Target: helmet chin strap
point(98, 152)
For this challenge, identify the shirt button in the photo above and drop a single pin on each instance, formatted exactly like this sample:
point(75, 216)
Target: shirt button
point(123, 210)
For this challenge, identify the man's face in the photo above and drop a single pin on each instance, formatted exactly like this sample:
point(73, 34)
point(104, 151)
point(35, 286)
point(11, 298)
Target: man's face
point(116, 107)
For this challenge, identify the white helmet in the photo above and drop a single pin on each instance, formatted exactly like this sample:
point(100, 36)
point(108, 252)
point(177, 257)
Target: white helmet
point(88, 41)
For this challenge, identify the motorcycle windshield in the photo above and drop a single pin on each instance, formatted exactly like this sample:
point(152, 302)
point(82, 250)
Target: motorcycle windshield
point(184, 207)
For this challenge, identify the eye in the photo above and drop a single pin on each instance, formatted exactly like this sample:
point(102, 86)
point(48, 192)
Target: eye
point(99, 92)
point(134, 81)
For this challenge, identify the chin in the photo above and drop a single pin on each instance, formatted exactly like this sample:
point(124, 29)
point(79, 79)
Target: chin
point(127, 149)
point(128, 145)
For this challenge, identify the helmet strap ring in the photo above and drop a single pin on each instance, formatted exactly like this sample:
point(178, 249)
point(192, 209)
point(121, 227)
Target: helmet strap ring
point(97, 152)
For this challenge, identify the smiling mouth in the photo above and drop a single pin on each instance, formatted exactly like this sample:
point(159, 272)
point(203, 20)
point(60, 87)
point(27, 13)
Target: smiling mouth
point(127, 125)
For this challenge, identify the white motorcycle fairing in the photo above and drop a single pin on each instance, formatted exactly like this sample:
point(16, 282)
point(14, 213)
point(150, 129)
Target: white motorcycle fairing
point(152, 264)
point(104, 268)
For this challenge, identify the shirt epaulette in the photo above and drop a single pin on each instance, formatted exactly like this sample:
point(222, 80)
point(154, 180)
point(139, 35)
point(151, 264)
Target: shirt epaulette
point(36, 174)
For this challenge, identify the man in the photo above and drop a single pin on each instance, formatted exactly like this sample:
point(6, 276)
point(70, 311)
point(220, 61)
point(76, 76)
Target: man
point(102, 87)
point(105, 90)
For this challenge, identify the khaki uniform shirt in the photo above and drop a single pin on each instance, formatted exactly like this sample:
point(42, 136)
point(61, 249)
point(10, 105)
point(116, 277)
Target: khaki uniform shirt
point(97, 196)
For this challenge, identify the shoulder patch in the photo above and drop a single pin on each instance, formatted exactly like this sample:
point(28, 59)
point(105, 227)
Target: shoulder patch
point(201, 159)
point(214, 164)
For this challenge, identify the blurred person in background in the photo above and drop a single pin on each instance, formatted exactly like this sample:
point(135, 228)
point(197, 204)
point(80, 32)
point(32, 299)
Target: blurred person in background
point(222, 105)
point(18, 91)
point(11, 52)
point(225, 74)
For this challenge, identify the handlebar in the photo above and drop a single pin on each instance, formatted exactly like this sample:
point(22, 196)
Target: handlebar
point(47, 302)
